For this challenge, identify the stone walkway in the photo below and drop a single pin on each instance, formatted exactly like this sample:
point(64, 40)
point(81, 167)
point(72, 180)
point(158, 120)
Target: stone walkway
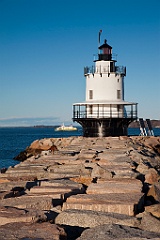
point(84, 183)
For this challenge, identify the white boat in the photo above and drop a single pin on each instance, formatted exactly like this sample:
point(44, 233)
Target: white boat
point(66, 128)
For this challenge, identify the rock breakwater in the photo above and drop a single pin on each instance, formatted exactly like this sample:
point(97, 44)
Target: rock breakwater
point(82, 188)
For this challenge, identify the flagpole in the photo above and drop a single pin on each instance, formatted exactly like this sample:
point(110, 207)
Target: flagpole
point(99, 39)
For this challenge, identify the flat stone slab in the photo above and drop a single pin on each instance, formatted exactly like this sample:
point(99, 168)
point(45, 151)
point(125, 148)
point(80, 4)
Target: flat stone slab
point(60, 175)
point(50, 189)
point(28, 231)
point(86, 218)
point(40, 202)
point(115, 186)
point(118, 169)
point(9, 185)
point(4, 177)
point(62, 191)
point(112, 154)
point(24, 174)
point(122, 203)
point(73, 169)
point(60, 182)
point(24, 168)
point(108, 163)
point(11, 214)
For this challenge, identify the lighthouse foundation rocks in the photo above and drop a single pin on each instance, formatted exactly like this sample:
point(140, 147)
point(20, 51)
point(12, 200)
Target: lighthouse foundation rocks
point(82, 188)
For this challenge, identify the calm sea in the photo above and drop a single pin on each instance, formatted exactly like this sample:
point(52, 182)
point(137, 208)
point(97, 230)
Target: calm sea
point(15, 140)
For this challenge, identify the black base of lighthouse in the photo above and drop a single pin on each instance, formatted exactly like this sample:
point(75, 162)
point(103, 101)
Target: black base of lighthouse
point(104, 127)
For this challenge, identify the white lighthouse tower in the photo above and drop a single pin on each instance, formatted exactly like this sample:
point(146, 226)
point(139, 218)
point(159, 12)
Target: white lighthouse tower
point(104, 112)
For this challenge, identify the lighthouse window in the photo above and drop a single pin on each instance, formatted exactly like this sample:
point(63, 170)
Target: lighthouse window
point(112, 67)
point(90, 94)
point(118, 80)
point(90, 109)
point(118, 94)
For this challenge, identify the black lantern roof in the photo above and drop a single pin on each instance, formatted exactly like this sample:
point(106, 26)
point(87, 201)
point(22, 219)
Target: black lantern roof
point(105, 45)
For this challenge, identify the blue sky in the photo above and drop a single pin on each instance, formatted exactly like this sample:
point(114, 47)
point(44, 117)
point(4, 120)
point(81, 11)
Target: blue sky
point(45, 44)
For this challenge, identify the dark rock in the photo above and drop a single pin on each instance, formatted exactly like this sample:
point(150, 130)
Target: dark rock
point(22, 156)
point(111, 231)
point(35, 149)
point(3, 170)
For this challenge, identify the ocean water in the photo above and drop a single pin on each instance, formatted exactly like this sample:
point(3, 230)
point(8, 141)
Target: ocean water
point(15, 140)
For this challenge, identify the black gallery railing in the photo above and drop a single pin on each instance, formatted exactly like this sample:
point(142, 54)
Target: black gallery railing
point(99, 111)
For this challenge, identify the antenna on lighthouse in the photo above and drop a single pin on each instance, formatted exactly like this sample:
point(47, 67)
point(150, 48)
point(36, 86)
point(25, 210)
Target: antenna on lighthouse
point(99, 38)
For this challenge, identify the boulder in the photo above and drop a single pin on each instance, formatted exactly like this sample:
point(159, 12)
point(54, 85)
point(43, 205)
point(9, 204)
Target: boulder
point(157, 148)
point(154, 143)
point(85, 180)
point(150, 223)
point(85, 218)
point(154, 210)
point(154, 192)
point(152, 176)
point(142, 168)
point(119, 232)
point(100, 172)
point(36, 148)
point(43, 144)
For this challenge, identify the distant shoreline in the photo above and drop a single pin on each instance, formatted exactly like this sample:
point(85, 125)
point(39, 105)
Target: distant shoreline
point(155, 124)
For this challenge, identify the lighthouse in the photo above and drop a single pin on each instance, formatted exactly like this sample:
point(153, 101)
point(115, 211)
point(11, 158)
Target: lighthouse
point(104, 111)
